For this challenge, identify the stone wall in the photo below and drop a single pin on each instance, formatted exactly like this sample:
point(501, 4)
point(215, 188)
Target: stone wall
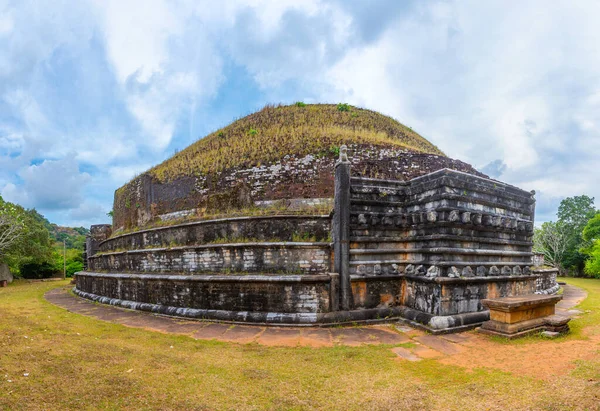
point(264, 257)
point(449, 239)
point(273, 244)
point(227, 297)
point(145, 198)
point(444, 224)
point(546, 280)
point(264, 228)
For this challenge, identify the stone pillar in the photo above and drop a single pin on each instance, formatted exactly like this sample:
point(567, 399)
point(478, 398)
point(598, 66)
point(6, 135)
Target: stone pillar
point(334, 292)
point(98, 233)
point(341, 228)
point(533, 259)
point(85, 261)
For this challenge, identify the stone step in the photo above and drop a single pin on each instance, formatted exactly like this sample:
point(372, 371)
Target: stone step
point(444, 263)
point(286, 257)
point(258, 244)
point(441, 250)
point(405, 354)
point(439, 344)
point(411, 238)
point(216, 276)
point(283, 228)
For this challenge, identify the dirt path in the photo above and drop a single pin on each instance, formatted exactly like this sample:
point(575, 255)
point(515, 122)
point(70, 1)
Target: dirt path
point(537, 358)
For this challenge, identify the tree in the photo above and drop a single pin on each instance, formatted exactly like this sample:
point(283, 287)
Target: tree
point(24, 239)
point(592, 265)
point(28, 246)
point(12, 226)
point(591, 231)
point(591, 236)
point(573, 214)
point(552, 241)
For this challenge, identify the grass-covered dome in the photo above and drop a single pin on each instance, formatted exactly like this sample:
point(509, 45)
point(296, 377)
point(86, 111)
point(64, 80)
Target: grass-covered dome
point(300, 129)
point(278, 153)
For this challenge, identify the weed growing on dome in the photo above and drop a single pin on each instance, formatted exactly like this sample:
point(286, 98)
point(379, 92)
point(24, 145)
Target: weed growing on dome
point(299, 129)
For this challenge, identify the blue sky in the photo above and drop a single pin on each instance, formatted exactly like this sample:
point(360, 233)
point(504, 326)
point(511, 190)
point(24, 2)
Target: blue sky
point(93, 92)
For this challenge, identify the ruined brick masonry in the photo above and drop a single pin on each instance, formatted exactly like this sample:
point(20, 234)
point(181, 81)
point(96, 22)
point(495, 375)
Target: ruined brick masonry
point(427, 250)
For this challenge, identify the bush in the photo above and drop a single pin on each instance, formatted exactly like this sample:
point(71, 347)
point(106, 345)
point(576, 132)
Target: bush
point(34, 271)
point(335, 150)
point(343, 107)
point(253, 132)
point(592, 265)
point(73, 267)
point(300, 104)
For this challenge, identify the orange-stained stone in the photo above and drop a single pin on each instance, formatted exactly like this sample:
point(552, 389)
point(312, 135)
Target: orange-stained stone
point(359, 292)
point(386, 299)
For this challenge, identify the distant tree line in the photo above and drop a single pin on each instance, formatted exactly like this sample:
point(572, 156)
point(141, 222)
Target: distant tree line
point(33, 247)
point(572, 243)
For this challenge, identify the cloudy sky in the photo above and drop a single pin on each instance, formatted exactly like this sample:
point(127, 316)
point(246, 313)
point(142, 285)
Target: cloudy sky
point(93, 92)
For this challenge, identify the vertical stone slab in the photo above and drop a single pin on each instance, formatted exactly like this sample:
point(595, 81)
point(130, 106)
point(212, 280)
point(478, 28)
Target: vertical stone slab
point(98, 233)
point(533, 219)
point(341, 228)
point(334, 292)
point(85, 258)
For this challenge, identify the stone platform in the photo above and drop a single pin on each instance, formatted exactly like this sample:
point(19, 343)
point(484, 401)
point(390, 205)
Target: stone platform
point(425, 346)
point(427, 251)
point(513, 317)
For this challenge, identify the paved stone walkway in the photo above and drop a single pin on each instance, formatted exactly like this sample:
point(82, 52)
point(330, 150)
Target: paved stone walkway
point(572, 296)
point(422, 345)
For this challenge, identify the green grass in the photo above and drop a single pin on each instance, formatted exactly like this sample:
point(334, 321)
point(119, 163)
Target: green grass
point(590, 320)
point(76, 362)
point(299, 129)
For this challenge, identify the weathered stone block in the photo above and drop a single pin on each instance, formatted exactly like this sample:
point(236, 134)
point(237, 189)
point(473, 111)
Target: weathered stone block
point(513, 317)
point(467, 272)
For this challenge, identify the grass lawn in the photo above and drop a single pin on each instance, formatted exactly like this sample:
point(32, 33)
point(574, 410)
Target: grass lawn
point(75, 362)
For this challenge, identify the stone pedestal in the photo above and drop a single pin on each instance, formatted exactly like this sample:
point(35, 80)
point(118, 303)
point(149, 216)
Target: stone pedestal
point(513, 317)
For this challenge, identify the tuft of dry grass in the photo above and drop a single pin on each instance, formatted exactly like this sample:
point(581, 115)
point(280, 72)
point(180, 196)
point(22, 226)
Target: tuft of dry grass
point(276, 131)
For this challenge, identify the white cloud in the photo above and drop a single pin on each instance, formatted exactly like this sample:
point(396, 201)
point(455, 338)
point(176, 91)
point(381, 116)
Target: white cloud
point(484, 80)
point(53, 184)
point(10, 140)
point(509, 84)
point(163, 59)
point(120, 174)
point(6, 24)
point(88, 211)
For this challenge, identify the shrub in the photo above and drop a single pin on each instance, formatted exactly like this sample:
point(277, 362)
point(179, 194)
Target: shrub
point(252, 132)
point(34, 271)
point(343, 107)
point(300, 104)
point(73, 267)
